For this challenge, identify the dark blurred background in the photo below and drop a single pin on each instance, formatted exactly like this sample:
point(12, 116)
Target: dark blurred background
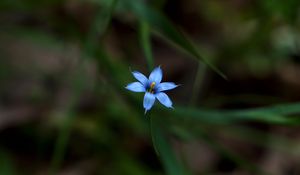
point(64, 65)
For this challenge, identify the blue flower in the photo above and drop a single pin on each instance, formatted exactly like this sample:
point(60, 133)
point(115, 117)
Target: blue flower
point(152, 87)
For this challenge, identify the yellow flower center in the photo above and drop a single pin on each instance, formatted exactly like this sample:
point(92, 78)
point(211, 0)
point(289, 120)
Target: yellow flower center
point(151, 89)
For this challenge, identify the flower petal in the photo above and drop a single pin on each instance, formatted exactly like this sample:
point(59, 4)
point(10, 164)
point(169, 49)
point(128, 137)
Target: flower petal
point(164, 99)
point(135, 87)
point(156, 75)
point(149, 100)
point(140, 77)
point(166, 86)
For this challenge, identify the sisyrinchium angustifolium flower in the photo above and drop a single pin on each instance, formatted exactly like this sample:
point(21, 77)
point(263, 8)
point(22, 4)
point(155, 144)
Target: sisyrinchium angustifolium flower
point(152, 87)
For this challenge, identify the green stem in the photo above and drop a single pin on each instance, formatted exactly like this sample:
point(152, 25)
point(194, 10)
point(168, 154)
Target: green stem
point(61, 144)
point(152, 129)
point(166, 154)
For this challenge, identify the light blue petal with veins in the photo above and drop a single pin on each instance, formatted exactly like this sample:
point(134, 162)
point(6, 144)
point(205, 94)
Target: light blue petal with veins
point(156, 75)
point(166, 86)
point(149, 100)
point(140, 77)
point(136, 87)
point(164, 99)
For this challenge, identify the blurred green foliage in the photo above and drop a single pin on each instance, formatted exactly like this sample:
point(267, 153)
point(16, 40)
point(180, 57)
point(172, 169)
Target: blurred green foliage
point(64, 66)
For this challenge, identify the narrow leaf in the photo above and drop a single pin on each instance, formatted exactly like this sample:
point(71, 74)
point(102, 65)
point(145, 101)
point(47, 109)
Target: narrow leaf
point(166, 29)
point(277, 114)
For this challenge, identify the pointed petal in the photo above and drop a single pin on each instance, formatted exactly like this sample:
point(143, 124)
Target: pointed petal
point(166, 86)
point(135, 87)
point(164, 99)
point(156, 75)
point(149, 100)
point(140, 77)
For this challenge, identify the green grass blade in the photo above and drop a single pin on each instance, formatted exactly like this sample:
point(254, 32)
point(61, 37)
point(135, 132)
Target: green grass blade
point(97, 29)
point(145, 41)
point(167, 30)
point(198, 83)
point(99, 26)
point(276, 114)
